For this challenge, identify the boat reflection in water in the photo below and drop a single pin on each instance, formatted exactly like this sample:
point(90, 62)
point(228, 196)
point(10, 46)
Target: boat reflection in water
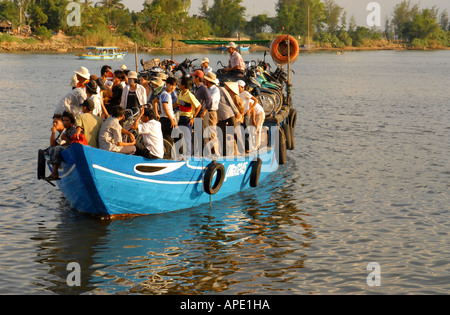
point(238, 245)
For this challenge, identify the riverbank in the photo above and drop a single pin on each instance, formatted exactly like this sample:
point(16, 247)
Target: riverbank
point(64, 44)
point(61, 43)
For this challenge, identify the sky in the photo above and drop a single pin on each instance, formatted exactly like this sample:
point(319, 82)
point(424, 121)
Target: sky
point(358, 8)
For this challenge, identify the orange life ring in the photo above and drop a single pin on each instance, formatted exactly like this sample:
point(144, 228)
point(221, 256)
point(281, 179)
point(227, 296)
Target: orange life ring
point(279, 49)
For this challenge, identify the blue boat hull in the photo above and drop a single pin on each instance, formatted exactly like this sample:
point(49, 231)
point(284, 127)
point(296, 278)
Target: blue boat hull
point(109, 184)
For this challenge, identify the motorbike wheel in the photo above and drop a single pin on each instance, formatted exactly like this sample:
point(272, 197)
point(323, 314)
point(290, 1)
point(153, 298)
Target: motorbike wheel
point(278, 96)
point(267, 102)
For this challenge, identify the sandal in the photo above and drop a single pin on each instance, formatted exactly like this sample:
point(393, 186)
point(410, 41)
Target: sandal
point(51, 178)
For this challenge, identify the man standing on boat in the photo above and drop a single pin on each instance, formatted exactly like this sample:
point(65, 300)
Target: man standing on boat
point(167, 117)
point(236, 65)
point(210, 82)
point(204, 97)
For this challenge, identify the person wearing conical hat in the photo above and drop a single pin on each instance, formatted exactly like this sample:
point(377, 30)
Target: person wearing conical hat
point(233, 88)
point(249, 101)
point(228, 114)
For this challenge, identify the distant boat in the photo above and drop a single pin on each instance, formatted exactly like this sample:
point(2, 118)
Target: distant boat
point(243, 48)
point(102, 53)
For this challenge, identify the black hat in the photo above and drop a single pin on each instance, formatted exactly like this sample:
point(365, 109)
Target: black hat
point(89, 104)
point(91, 87)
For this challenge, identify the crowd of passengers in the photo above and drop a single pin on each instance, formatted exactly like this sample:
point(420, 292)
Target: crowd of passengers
point(93, 112)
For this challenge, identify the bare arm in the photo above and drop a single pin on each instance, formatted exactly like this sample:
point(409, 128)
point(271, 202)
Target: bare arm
point(136, 122)
point(53, 137)
point(155, 107)
point(166, 110)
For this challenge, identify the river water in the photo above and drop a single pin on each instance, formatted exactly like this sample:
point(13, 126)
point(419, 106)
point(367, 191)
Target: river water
point(368, 182)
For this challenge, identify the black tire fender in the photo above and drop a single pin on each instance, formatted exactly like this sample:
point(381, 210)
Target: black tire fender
point(256, 172)
point(292, 123)
point(292, 118)
point(281, 153)
point(211, 185)
point(288, 134)
point(41, 164)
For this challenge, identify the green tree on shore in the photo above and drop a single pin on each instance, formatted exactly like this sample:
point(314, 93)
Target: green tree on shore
point(292, 16)
point(160, 20)
point(226, 16)
point(111, 5)
point(421, 28)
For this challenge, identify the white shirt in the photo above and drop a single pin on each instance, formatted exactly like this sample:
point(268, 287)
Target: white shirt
point(207, 69)
point(153, 138)
point(141, 94)
point(110, 135)
point(215, 96)
point(98, 105)
point(72, 102)
point(258, 109)
point(246, 98)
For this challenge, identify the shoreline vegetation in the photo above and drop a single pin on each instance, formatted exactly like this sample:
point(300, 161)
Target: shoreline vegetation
point(61, 43)
point(46, 26)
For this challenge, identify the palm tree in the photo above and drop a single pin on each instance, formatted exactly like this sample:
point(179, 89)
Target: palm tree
point(111, 5)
